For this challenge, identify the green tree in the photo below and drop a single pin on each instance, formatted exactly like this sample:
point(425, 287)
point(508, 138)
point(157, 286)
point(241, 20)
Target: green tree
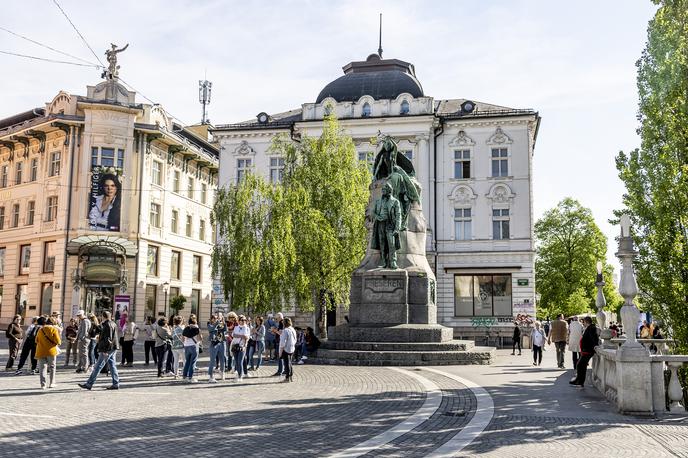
point(296, 242)
point(177, 304)
point(656, 175)
point(569, 244)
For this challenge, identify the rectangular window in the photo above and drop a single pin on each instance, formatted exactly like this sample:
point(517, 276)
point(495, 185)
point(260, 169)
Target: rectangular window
point(49, 257)
point(54, 168)
point(15, 215)
point(153, 260)
point(2, 262)
point(175, 181)
point(500, 163)
point(276, 169)
point(30, 212)
point(106, 157)
point(155, 215)
point(24, 259)
point(174, 291)
point(204, 193)
point(175, 222)
point(243, 167)
point(462, 164)
point(500, 223)
point(156, 174)
point(462, 223)
point(2, 218)
point(189, 225)
point(51, 214)
point(190, 188)
point(175, 265)
point(196, 272)
point(201, 230)
point(151, 296)
point(482, 295)
point(3, 176)
point(23, 303)
point(368, 157)
point(46, 298)
point(18, 173)
point(34, 169)
point(195, 300)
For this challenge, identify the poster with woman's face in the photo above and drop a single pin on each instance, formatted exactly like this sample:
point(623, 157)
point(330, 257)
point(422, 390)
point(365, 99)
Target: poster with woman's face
point(105, 199)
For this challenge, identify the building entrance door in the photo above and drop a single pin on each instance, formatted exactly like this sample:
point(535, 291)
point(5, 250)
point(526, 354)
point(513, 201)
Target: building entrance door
point(99, 299)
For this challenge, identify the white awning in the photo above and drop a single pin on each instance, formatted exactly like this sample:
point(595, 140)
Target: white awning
point(116, 244)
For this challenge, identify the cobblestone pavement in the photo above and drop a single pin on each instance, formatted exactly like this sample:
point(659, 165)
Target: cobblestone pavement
point(327, 410)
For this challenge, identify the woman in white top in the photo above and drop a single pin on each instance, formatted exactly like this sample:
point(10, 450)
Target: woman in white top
point(240, 336)
point(537, 337)
point(575, 336)
point(178, 351)
point(287, 346)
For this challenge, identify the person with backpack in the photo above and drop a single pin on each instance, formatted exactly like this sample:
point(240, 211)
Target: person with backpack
point(47, 343)
point(14, 334)
point(108, 344)
point(29, 348)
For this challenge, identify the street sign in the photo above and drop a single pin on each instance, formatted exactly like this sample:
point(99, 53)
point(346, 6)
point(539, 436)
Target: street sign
point(522, 282)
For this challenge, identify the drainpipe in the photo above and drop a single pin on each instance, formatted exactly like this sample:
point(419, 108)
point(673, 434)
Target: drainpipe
point(438, 131)
point(75, 134)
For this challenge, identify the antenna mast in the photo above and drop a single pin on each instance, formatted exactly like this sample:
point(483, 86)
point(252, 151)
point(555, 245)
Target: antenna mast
point(204, 90)
point(379, 49)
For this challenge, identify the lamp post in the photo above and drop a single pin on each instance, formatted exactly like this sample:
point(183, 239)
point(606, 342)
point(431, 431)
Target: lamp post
point(166, 289)
point(628, 288)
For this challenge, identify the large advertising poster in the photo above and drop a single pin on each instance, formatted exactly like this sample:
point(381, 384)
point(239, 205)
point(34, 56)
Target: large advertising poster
point(105, 199)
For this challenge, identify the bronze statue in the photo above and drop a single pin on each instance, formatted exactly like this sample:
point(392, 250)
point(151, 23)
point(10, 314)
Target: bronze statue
point(111, 54)
point(387, 215)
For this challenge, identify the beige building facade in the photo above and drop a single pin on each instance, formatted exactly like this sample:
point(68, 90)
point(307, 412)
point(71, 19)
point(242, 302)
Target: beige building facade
point(104, 205)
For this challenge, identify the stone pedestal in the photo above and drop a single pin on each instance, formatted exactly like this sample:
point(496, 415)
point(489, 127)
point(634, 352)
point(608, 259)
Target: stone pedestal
point(634, 378)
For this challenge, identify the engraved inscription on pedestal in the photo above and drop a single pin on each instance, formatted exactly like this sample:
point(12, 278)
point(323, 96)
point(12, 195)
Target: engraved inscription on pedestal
point(384, 290)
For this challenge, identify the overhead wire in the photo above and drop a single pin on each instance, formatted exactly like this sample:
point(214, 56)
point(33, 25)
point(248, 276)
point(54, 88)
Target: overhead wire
point(78, 33)
point(46, 46)
point(54, 61)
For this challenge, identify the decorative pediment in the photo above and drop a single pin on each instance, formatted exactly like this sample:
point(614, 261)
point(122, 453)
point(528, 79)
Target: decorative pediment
point(462, 139)
point(60, 103)
point(500, 193)
point(159, 117)
point(462, 194)
point(244, 149)
point(499, 138)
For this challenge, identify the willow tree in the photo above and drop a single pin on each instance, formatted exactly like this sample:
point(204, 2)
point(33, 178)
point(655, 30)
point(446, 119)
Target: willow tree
point(656, 175)
point(327, 189)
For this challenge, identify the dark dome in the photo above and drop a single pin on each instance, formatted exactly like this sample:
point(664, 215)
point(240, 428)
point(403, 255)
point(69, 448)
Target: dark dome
point(380, 79)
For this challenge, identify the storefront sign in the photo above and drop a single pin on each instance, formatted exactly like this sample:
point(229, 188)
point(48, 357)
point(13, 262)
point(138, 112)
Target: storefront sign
point(522, 282)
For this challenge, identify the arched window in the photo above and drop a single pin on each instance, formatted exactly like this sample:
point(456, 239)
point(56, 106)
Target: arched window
point(404, 107)
point(366, 110)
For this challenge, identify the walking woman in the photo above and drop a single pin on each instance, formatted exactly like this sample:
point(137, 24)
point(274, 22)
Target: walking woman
point(240, 336)
point(14, 335)
point(47, 341)
point(258, 337)
point(163, 344)
point(287, 345)
point(192, 337)
point(177, 344)
point(537, 338)
point(149, 343)
point(130, 332)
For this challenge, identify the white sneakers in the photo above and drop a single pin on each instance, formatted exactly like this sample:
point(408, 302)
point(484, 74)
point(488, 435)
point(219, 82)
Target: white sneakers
point(212, 380)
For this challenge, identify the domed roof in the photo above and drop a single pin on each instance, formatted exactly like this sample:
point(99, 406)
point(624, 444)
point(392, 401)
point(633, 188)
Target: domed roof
point(378, 78)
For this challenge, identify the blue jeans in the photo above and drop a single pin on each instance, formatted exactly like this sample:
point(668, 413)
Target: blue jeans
point(191, 354)
point(239, 361)
point(258, 348)
point(92, 352)
point(217, 351)
point(105, 358)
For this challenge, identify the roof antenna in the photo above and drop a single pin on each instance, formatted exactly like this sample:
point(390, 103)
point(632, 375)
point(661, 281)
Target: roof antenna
point(379, 50)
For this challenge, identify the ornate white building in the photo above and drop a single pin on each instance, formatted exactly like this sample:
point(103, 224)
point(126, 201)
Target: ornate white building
point(473, 159)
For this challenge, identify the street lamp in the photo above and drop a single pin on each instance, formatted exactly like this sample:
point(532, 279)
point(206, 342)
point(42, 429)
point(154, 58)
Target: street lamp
point(166, 289)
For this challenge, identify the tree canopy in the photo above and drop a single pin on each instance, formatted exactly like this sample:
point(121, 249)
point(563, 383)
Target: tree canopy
point(569, 244)
point(297, 241)
point(656, 175)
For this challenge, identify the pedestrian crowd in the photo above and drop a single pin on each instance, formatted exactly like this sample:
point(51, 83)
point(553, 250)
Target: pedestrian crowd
point(236, 344)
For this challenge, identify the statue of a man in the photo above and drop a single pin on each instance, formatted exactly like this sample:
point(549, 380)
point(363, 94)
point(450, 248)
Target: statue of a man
point(387, 217)
point(111, 54)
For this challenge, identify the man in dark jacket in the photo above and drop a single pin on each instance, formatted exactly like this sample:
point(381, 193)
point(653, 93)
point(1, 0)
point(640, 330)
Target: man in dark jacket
point(107, 353)
point(516, 339)
point(588, 343)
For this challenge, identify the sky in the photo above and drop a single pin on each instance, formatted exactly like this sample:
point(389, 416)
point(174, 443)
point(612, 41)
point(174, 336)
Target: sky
point(573, 62)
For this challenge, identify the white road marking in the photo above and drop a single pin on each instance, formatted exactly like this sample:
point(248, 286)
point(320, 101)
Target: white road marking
point(432, 402)
point(483, 416)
